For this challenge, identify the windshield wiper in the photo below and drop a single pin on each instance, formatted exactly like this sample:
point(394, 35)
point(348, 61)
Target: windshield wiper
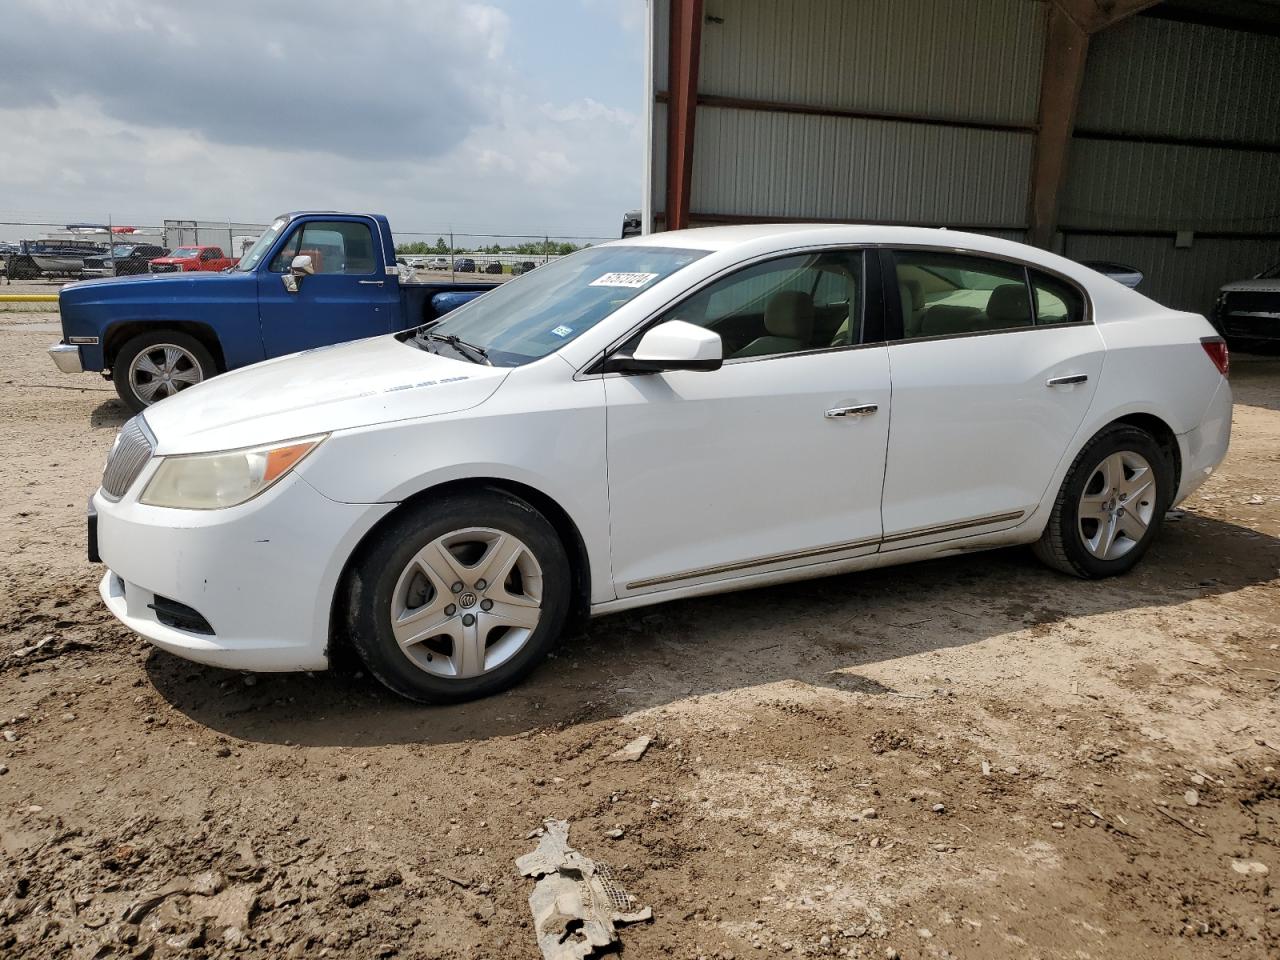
point(475, 353)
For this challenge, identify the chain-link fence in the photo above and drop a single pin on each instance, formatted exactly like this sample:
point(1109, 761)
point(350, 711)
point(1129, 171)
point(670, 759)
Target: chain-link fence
point(58, 252)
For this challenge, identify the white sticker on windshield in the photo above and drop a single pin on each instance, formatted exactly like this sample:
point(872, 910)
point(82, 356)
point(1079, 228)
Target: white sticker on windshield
point(562, 331)
point(633, 280)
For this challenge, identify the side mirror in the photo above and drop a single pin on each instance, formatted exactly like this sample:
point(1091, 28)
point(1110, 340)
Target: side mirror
point(299, 268)
point(674, 345)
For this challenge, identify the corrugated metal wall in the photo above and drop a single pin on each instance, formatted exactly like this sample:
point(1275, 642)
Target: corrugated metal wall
point(980, 62)
point(906, 57)
point(865, 169)
point(1167, 80)
point(1164, 77)
point(903, 56)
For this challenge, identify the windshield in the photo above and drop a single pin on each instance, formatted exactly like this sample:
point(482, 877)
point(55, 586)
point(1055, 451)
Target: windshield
point(186, 252)
point(539, 312)
point(121, 250)
point(263, 244)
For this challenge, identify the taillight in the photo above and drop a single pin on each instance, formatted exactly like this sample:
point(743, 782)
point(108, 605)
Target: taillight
point(1216, 348)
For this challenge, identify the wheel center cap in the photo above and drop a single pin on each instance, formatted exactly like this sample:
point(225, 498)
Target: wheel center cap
point(467, 599)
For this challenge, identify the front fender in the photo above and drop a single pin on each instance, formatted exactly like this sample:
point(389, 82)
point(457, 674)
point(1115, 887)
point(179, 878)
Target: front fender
point(224, 304)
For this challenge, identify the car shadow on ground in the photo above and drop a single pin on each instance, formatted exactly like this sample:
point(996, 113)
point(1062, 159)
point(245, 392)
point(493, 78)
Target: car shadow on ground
point(109, 413)
point(1255, 377)
point(818, 632)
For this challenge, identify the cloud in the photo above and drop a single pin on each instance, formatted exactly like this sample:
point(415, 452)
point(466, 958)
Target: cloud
point(252, 73)
point(142, 112)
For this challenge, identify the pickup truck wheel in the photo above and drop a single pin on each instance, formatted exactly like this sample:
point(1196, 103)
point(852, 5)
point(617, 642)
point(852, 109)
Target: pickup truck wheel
point(152, 366)
point(459, 597)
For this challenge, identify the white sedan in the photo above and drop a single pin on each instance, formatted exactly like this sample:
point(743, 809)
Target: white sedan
point(660, 417)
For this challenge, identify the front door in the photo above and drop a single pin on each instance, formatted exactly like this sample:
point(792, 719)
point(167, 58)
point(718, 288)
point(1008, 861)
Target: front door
point(348, 297)
point(776, 460)
point(994, 368)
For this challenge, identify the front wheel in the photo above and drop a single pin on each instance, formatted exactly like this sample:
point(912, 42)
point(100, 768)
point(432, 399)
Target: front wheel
point(458, 597)
point(1110, 506)
point(152, 366)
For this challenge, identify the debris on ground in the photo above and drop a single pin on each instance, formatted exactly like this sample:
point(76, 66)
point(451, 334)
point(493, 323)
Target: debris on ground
point(632, 752)
point(576, 903)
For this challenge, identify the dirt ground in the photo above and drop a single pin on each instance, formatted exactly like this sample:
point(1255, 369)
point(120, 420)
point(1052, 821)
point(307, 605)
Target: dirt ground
point(973, 757)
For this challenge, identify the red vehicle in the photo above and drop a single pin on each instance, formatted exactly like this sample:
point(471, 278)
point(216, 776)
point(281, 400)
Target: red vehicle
point(187, 259)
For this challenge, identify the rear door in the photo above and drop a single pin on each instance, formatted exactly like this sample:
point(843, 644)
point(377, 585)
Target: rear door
point(348, 297)
point(994, 367)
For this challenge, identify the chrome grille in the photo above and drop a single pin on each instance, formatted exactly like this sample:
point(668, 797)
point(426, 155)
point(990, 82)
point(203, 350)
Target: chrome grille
point(131, 453)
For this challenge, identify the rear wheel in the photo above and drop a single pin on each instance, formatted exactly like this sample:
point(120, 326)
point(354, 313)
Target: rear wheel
point(152, 366)
point(459, 597)
point(1110, 506)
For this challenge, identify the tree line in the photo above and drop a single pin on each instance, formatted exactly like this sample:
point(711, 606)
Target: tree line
point(536, 248)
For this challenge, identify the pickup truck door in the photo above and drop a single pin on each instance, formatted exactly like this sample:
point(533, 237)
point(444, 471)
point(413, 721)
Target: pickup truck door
point(349, 296)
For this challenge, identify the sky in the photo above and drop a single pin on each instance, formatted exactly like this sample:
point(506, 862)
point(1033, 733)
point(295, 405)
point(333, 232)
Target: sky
point(504, 117)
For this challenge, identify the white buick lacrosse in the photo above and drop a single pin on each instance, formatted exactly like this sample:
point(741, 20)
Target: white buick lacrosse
point(660, 417)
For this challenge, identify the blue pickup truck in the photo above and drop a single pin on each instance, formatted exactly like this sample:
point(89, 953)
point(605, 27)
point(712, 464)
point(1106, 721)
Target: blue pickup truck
point(311, 279)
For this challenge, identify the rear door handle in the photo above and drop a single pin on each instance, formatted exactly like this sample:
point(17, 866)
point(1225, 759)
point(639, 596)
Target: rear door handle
point(1066, 381)
point(860, 410)
point(371, 283)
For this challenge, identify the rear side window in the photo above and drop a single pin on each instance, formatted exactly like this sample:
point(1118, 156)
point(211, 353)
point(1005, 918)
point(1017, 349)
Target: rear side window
point(1056, 300)
point(945, 294)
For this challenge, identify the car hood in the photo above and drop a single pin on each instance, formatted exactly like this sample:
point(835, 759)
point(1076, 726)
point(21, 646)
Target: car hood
point(1255, 286)
point(360, 384)
point(180, 286)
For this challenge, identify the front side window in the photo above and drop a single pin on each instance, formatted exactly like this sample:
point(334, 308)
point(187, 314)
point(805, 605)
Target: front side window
point(809, 301)
point(334, 246)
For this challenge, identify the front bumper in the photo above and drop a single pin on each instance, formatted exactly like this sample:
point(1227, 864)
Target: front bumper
point(66, 357)
point(262, 575)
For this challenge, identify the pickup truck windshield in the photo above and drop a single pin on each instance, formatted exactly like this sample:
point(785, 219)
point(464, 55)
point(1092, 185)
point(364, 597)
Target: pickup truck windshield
point(263, 244)
point(186, 252)
point(538, 313)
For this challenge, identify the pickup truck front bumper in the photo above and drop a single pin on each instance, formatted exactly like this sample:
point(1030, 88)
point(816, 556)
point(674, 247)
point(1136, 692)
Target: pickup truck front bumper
point(66, 357)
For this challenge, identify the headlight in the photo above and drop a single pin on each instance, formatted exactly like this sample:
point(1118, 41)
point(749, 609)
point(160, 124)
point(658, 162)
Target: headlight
point(207, 481)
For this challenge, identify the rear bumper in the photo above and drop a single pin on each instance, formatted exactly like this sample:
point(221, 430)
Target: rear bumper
point(66, 357)
point(1204, 447)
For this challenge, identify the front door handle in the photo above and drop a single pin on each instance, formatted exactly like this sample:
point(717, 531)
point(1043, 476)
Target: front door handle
point(860, 410)
point(371, 283)
point(1066, 381)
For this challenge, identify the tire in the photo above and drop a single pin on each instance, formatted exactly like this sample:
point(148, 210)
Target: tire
point(184, 360)
point(1112, 464)
point(400, 573)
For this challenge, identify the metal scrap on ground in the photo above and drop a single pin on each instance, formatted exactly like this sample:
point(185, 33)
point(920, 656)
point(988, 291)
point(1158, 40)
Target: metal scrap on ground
point(576, 902)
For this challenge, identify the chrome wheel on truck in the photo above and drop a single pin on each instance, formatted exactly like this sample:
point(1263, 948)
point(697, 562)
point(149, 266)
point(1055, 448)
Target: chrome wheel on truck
point(458, 595)
point(153, 366)
point(162, 370)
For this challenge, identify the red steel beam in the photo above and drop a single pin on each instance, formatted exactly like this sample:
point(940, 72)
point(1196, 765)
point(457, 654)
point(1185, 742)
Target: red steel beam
point(682, 110)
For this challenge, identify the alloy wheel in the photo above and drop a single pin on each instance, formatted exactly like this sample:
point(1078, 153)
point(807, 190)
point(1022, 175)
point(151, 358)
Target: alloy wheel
point(1117, 505)
point(162, 370)
point(467, 602)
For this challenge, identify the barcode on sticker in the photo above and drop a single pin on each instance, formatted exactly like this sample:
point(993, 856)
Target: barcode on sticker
point(624, 280)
